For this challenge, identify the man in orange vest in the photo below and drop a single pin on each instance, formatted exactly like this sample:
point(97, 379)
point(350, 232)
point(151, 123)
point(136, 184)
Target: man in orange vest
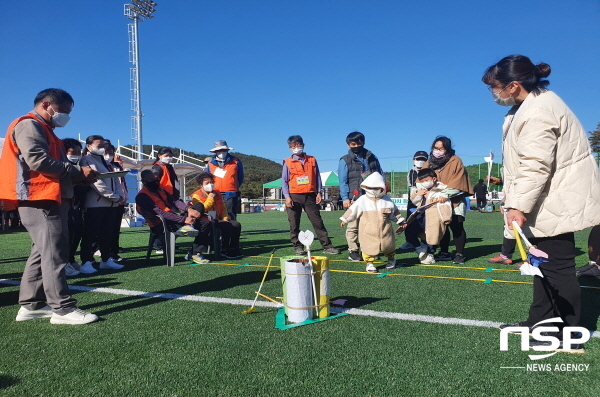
point(36, 174)
point(229, 175)
point(301, 187)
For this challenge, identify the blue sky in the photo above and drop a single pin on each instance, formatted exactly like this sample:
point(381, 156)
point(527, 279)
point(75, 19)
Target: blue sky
point(255, 72)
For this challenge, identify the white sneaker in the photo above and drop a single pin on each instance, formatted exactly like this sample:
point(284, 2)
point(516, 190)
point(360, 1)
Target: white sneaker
point(26, 314)
point(87, 268)
point(110, 264)
point(371, 268)
point(428, 260)
point(406, 246)
point(391, 264)
point(421, 251)
point(76, 317)
point(159, 252)
point(97, 253)
point(70, 270)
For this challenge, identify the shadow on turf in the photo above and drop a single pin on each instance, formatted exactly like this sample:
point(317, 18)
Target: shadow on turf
point(7, 381)
point(216, 284)
point(269, 231)
point(356, 302)
point(12, 260)
point(8, 298)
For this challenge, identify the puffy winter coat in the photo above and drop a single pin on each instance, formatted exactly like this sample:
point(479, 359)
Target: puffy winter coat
point(375, 232)
point(549, 172)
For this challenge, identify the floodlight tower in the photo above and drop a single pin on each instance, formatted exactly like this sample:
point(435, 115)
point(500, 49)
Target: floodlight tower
point(136, 11)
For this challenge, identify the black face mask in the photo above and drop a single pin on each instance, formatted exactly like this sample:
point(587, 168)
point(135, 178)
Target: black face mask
point(357, 149)
point(152, 186)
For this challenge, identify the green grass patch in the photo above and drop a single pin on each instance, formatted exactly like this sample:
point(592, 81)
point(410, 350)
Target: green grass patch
point(164, 347)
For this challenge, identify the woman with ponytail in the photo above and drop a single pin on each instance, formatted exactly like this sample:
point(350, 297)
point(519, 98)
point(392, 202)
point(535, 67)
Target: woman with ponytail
point(551, 183)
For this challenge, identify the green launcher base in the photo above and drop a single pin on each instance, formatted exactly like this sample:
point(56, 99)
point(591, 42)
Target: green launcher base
point(280, 320)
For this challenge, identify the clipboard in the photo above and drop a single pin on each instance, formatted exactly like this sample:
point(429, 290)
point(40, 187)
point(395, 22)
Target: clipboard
point(115, 174)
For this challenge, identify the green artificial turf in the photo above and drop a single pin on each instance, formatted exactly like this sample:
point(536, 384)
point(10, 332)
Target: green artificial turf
point(147, 346)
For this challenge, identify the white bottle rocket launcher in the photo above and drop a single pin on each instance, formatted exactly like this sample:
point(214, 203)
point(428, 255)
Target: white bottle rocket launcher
point(300, 277)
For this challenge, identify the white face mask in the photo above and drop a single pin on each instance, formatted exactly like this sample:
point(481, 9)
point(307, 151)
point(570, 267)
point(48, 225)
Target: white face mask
point(298, 150)
point(419, 163)
point(374, 192)
point(98, 151)
point(59, 119)
point(209, 187)
point(73, 158)
point(427, 185)
point(221, 155)
point(510, 101)
point(166, 160)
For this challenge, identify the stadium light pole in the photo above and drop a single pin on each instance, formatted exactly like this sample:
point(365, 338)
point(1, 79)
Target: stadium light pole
point(137, 11)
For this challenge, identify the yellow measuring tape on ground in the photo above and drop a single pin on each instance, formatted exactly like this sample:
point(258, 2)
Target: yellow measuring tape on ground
point(484, 280)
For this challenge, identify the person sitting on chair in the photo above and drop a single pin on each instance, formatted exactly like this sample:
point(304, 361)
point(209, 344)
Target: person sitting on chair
point(213, 201)
point(152, 201)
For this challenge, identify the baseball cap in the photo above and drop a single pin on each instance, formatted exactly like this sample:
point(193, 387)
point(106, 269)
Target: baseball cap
point(421, 154)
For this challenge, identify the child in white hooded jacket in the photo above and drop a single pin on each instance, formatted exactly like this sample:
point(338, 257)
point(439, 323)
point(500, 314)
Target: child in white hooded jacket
point(376, 212)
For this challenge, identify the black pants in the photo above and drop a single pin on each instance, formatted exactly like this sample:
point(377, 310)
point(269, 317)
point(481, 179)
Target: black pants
point(114, 242)
point(594, 244)
point(233, 205)
point(230, 234)
point(75, 231)
point(458, 232)
point(203, 240)
point(308, 202)
point(508, 247)
point(98, 226)
point(414, 229)
point(558, 294)
point(481, 202)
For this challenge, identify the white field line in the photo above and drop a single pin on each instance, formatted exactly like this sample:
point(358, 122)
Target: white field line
point(248, 302)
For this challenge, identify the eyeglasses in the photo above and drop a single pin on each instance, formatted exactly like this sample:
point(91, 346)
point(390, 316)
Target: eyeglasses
point(491, 89)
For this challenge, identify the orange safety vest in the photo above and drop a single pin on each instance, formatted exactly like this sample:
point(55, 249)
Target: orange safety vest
point(166, 183)
point(199, 196)
point(160, 199)
point(299, 172)
point(19, 183)
point(229, 183)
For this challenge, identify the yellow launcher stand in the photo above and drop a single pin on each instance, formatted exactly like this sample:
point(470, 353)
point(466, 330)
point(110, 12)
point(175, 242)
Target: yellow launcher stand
point(322, 284)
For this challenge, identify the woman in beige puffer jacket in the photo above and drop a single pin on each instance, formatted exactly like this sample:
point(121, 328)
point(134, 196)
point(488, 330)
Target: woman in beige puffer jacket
point(551, 181)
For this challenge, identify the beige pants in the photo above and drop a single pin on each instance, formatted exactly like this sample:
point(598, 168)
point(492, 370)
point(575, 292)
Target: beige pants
point(352, 235)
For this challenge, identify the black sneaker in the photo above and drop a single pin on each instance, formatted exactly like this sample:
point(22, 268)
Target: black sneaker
point(300, 250)
point(519, 324)
point(575, 348)
point(459, 259)
point(354, 256)
point(442, 256)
